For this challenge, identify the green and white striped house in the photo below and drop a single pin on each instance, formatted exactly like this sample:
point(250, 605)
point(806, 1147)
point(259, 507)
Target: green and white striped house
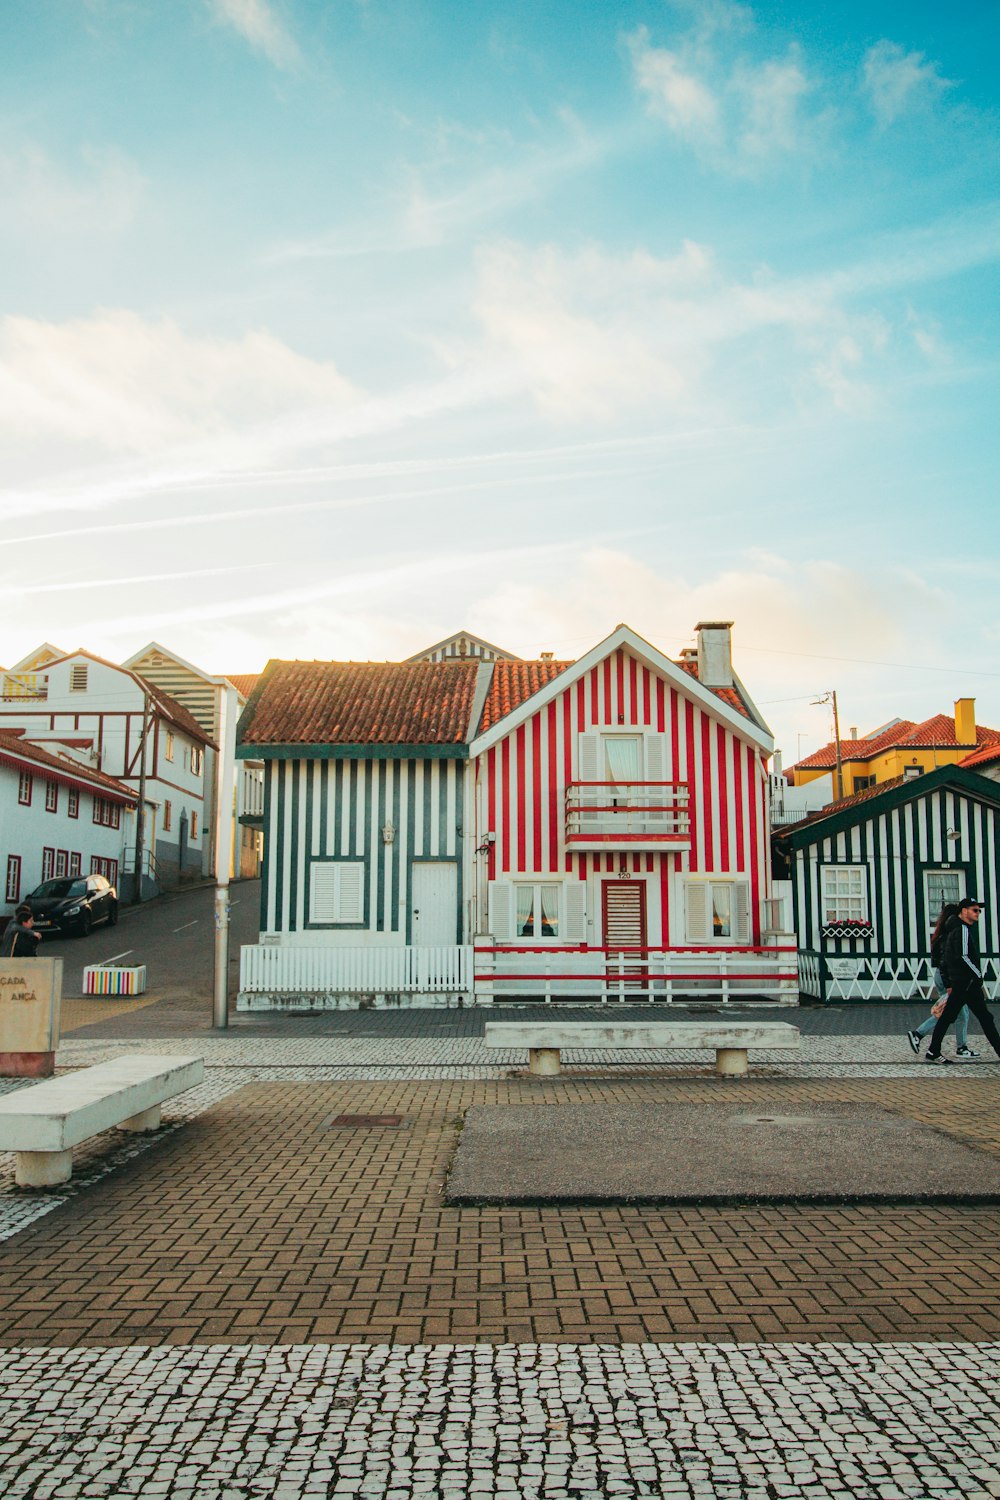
point(869, 876)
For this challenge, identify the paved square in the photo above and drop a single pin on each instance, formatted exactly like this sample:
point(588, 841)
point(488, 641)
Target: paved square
point(671, 1153)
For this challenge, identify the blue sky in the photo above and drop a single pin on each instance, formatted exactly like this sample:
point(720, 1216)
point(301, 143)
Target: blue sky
point(328, 328)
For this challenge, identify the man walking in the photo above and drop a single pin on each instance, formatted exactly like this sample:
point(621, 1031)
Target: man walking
point(961, 967)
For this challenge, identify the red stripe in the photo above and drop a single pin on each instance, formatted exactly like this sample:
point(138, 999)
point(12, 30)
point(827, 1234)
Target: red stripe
point(738, 803)
point(556, 797)
point(607, 690)
point(661, 716)
point(754, 791)
point(568, 741)
point(621, 715)
point(706, 789)
point(521, 796)
point(491, 815)
point(720, 746)
point(595, 705)
point(505, 820)
point(633, 674)
point(695, 809)
point(536, 774)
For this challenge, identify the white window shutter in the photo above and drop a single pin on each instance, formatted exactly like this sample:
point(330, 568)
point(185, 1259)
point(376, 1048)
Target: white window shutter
point(322, 891)
point(351, 895)
point(741, 912)
point(501, 905)
point(656, 770)
point(698, 910)
point(575, 924)
point(590, 765)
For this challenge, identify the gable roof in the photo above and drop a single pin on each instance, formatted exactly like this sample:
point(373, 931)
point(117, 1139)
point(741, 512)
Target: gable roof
point(937, 732)
point(167, 707)
point(16, 751)
point(873, 801)
point(985, 755)
point(745, 721)
point(462, 636)
point(513, 682)
point(350, 705)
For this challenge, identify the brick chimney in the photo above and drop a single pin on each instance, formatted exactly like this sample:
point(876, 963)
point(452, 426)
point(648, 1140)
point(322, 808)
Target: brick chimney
point(715, 653)
point(965, 721)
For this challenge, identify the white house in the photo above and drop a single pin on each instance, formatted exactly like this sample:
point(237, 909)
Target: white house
point(111, 719)
point(58, 817)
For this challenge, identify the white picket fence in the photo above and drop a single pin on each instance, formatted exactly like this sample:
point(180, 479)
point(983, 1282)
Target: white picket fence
point(355, 971)
point(596, 976)
point(878, 976)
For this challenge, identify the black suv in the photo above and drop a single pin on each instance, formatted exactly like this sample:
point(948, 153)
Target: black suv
point(73, 903)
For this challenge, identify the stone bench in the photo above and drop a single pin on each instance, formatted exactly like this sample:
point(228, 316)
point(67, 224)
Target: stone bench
point(43, 1123)
point(545, 1040)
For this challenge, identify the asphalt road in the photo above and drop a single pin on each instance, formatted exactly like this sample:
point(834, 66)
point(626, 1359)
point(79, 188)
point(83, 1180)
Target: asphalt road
point(174, 936)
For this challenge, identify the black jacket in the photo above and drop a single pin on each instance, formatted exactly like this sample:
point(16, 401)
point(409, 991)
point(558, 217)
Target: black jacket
point(956, 959)
point(19, 942)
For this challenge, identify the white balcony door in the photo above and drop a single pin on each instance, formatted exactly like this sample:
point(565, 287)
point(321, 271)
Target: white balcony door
point(434, 884)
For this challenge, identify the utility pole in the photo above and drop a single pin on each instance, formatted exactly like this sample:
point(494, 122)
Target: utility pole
point(140, 813)
point(831, 697)
point(226, 763)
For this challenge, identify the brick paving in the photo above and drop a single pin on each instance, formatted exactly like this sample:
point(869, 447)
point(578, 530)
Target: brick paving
point(259, 1221)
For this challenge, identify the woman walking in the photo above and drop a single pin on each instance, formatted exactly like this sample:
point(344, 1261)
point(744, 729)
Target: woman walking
point(949, 915)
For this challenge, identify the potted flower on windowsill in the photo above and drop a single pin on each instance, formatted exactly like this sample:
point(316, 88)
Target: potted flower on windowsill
point(850, 928)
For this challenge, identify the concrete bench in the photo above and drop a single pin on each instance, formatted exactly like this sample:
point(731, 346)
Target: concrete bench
point(545, 1040)
point(43, 1123)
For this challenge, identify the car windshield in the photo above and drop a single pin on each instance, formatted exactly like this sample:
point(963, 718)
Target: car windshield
point(56, 890)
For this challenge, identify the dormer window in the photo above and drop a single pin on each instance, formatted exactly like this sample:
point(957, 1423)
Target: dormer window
point(78, 677)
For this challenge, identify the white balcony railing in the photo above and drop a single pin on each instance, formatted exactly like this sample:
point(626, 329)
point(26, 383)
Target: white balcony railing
point(636, 813)
point(632, 975)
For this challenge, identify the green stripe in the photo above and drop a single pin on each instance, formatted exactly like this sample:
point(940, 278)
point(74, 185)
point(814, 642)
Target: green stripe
point(411, 828)
point(397, 847)
point(382, 851)
point(267, 864)
point(279, 862)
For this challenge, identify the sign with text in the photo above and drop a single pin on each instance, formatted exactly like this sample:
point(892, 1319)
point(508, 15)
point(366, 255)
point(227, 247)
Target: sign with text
point(30, 995)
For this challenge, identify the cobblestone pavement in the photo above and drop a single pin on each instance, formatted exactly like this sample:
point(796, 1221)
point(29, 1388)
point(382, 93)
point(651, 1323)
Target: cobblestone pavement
point(738, 1422)
point(256, 1301)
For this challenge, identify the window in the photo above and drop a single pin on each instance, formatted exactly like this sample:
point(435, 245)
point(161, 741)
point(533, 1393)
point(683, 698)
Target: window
point(168, 749)
point(537, 911)
point(168, 816)
point(913, 771)
point(108, 814)
point(106, 867)
point(78, 678)
point(197, 760)
point(861, 782)
point(51, 796)
point(24, 782)
point(74, 864)
point(62, 862)
point(13, 878)
point(717, 911)
point(194, 824)
point(72, 803)
point(845, 894)
point(48, 863)
point(940, 887)
point(336, 891)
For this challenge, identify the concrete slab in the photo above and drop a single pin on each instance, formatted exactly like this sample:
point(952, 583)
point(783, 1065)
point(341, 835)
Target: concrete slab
point(711, 1153)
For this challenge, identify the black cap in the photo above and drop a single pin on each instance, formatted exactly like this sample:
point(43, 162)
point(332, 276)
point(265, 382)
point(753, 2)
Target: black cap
point(969, 901)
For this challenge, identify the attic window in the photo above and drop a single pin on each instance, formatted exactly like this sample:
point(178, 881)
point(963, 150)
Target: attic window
point(78, 678)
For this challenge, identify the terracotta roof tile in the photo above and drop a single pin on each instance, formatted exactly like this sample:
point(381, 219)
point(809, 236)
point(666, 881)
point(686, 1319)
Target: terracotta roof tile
point(14, 746)
point(689, 665)
point(983, 756)
point(513, 682)
point(243, 682)
point(938, 731)
point(360, 703)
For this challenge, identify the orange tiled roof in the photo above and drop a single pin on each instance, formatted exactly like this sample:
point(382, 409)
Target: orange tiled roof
point(513, 682)
point(935, 732)
point(689, 664)
point(361, 703)
point(243, 682)
point(15, 747)
point(981, 757)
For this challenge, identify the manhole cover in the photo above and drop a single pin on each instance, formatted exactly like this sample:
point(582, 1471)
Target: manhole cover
point(362, 1122)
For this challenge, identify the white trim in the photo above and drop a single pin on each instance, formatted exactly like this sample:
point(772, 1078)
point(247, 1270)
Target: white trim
point(623, 635)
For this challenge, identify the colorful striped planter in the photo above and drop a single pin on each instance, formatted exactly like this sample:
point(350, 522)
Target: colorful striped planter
point(111, 979)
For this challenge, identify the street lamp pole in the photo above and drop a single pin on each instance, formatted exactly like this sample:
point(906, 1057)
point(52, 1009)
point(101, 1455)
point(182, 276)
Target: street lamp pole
point(225, 772)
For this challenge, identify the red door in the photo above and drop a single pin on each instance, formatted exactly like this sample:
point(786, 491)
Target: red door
point(624, 907)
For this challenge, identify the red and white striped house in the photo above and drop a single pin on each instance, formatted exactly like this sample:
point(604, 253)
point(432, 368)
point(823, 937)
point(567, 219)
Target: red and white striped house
point(600, 832)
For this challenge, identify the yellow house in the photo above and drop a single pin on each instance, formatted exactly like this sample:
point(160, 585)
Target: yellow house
point(899, 748)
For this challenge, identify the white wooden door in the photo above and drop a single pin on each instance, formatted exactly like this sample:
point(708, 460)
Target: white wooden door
point(434, 887)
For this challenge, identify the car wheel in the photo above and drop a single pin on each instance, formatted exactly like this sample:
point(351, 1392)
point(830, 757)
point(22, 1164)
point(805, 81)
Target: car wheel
point(86, 924)
point(113, 914)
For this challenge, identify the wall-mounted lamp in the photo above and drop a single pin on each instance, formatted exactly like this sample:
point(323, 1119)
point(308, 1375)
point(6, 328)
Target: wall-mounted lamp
point(388, 833)
point(953, 834)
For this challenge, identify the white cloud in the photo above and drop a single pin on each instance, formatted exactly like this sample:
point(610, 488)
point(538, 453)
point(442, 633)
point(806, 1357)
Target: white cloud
point(41, 198)
point(119, 382)
point(738, 114)
point(898, 81)
point(257, 22)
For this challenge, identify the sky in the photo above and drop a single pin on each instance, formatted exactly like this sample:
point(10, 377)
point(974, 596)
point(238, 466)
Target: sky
point(331, 327)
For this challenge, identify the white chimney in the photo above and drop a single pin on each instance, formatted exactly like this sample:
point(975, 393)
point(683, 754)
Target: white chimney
point(715, 653)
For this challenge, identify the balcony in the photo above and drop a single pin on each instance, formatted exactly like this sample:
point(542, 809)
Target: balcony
point(628, 815)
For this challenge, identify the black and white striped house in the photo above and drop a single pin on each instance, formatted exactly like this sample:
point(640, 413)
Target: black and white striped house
point(869, 876)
